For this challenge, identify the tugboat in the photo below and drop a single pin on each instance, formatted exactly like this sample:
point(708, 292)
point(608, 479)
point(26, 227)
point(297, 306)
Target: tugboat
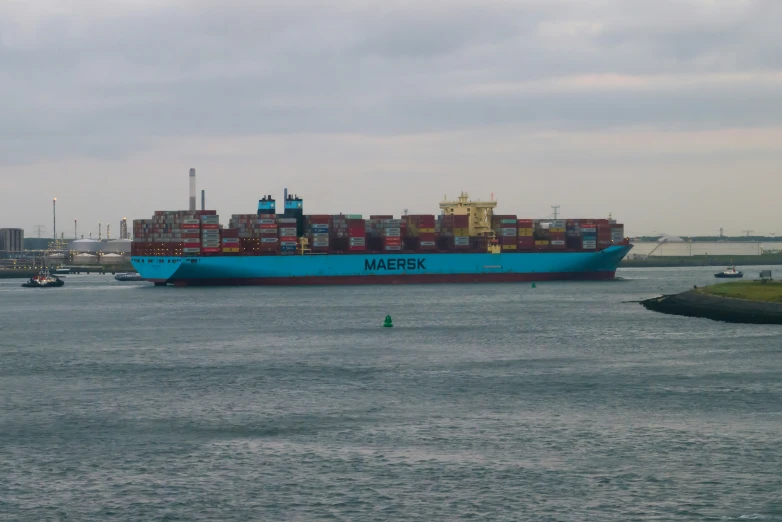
point(43, 280)
point(128, 276)
point(729, 273)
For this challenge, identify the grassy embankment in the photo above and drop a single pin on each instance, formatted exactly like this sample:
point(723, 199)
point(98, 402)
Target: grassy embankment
point(750, 290)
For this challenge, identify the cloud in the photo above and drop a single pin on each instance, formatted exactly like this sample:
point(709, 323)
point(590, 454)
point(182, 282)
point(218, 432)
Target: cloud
point(112, 82)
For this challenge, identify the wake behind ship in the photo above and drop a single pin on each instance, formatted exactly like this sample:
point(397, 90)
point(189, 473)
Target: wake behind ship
point(467, 243)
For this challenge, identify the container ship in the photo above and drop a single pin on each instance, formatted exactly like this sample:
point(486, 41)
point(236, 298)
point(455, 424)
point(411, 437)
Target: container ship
point(468, 242)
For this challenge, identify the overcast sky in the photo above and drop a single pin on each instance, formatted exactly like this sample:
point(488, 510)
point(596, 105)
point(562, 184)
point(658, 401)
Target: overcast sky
point(666, 113)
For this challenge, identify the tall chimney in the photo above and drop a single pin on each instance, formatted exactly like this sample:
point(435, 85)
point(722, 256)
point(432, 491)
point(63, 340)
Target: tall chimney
point(192, 190)
point(203, 199)
point(54, 217)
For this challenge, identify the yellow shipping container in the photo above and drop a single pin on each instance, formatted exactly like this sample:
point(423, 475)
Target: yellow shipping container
point(231, 250)
point(525, 232)
point(461, 231)
point(541, 242)
point(556, 230)
point(509, 247)
point(430, 230)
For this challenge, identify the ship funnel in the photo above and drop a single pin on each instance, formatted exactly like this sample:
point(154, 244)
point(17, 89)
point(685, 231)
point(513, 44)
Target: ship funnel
point(192, 190)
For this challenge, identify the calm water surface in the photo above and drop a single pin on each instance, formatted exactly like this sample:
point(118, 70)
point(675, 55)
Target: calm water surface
point(121, 401)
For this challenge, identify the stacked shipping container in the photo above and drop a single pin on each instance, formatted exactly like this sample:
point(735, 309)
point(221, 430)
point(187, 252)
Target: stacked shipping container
point(454, 231)
point(526, 237)
point(288, 240)
point(183, 233)
point(317, 230)
point(506, 230)
point(174, 233)
point(420, 232)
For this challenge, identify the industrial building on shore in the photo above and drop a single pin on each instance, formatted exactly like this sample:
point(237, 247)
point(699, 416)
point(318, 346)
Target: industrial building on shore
point(671, 246)
point(11, 240)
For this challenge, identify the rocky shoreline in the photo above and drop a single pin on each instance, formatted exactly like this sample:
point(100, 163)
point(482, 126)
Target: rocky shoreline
point(697, 304)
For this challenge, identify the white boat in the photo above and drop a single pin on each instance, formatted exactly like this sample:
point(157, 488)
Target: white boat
point(128, 276)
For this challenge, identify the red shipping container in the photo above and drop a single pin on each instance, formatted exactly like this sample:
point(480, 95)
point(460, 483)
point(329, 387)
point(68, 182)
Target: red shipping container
point(288, 238)
point(210, 250)
point(207, 226)
point(187, 226)
point(274, 226)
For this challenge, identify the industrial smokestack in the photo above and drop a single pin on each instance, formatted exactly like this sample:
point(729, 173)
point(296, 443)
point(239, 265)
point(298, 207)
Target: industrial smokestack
point(203, 200)
point(285, 194)
point(192, 191)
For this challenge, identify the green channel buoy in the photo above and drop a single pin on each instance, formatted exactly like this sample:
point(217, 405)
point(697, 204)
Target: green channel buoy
point(388, 323)
point(533, 285)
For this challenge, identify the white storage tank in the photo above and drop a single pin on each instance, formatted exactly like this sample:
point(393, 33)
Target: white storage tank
point(85, 259)
point(112, 259)
point(86, 245)
point(117, 246)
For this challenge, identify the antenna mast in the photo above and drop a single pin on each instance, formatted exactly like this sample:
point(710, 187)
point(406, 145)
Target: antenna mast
point(556, 211)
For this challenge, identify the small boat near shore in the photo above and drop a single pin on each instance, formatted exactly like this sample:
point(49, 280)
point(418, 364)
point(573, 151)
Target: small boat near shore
point(128, 276)
point(44, 280)
point(729, 273)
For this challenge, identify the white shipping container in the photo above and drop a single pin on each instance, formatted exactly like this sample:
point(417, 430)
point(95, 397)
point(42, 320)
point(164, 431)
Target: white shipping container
point(393, 248)
point(269, 240)
point(557, 242)
point(559, 223)
point(427, 243)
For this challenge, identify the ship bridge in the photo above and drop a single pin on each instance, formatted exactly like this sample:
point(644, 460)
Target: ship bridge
point(480, 213)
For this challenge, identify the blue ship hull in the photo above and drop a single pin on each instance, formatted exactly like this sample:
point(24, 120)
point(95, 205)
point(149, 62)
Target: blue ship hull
point(381, 268)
